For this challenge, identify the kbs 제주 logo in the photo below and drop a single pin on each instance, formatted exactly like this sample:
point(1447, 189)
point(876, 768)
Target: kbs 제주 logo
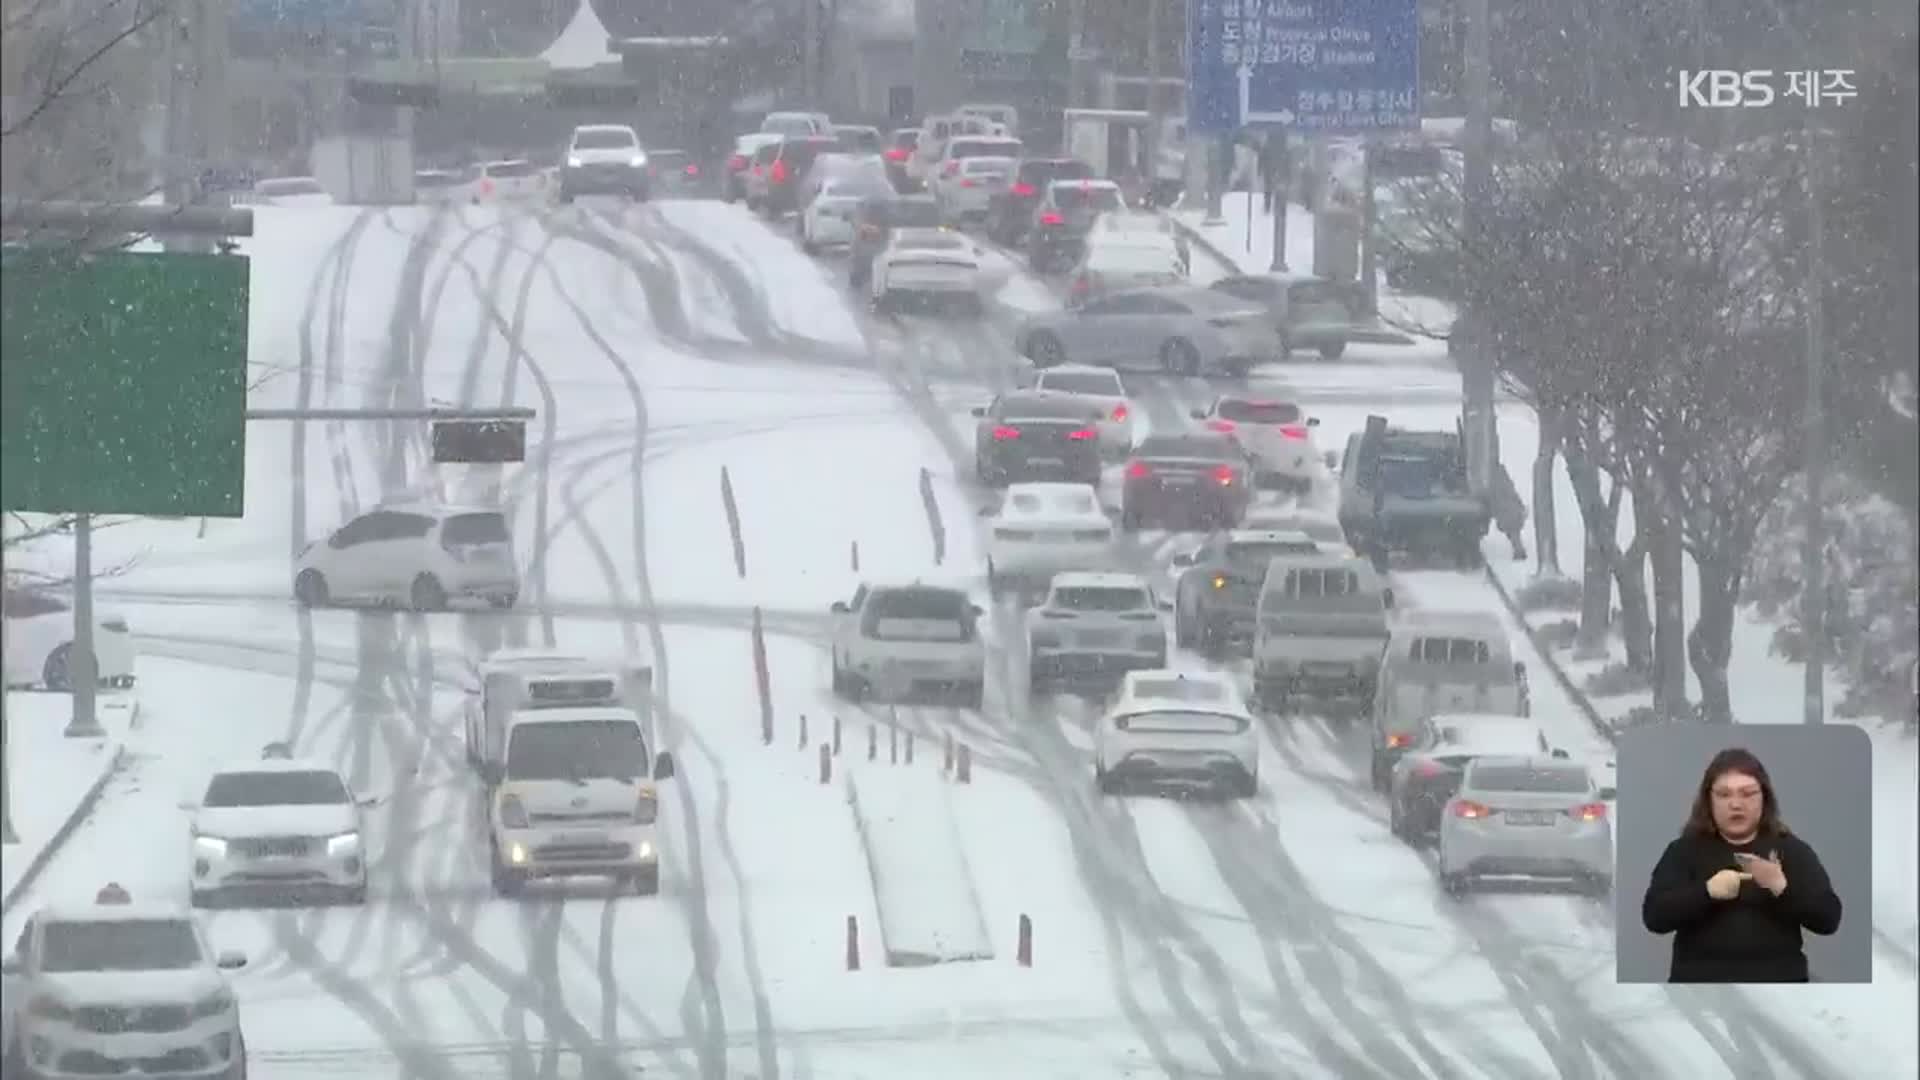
point(1726, 88)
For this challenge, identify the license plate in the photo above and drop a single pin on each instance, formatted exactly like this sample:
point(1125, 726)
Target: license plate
point(583, 839)
point(1051, 461)
point(1529, 817)
point(1181, 481)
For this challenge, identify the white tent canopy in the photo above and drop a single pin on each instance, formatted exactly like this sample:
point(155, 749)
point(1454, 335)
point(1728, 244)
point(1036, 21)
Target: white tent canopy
point(583, 44)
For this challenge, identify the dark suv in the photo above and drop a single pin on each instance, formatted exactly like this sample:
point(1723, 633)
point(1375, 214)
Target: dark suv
point(1010, 213)
point(1066, 211)
point(1218, 587)
point(788, 168)
point(1037, 435)
point(1187, 480)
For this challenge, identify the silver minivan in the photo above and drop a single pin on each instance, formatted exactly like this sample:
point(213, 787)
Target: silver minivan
point(1322, 628)
point(1442, 662)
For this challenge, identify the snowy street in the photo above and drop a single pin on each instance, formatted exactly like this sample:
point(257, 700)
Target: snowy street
point(663, 345)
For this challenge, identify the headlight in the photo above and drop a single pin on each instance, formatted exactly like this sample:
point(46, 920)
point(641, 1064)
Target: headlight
point(211, 845)
point(573, 163)
point(344, 843)
point(638, 161)
point(513, 812)
point(645, 849)
point(214, 1004)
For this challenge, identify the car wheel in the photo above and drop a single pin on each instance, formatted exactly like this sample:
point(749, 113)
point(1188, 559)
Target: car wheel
point(1131, 519)
point(807, 245)
point(310, 589)
point(1046, 350)
point(1183, 635)
point(645, 881)
point(507, 881)
point(1379, 773)
point(1332, 352)
point(1179, 357)
point(427, 594)
point(1455, 885)
point(57, 673)
point(1397, 820)
point(974, 696)
point(205, 898)
point(1245, 786)
point(355, 896)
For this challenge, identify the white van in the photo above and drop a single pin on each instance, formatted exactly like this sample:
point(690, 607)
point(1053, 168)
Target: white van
point(1322, 629)
point(937, 132)
point(1442, 662)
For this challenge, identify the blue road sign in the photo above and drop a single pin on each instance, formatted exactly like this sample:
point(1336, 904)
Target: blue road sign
point(1312, 66)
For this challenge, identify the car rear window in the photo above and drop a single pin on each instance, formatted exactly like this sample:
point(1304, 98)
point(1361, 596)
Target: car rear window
point(1180, 689)
point(907, 138)
point(1419, 477)
point(966, 148)
point(475, 529)
point(914, 213)
point(1530, 779)
point(866, 140)
point(981, 166)
point(799, 155)
point(1181, 721)
point(1446, 650)
point(1260, 412)
point(603, 139)
point(768, 152)
point(1034, 407)
point(919, 615)
point(1100, 598)
point(1041, 172)
point(510, 170)
point(1254, 558)
point(1069, 502)
point(1103, 383)
point(290, 187)
point(929, 241)
point(1096, 198)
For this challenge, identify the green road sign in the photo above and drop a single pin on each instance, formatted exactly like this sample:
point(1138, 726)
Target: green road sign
point(123, 383)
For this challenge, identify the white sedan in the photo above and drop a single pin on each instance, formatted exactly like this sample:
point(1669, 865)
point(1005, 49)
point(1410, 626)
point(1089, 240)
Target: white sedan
point(1276, 434)
point(936, 264)
point(1044, 528)
point(827, 221)
point(1101, 388)
point(39, 642)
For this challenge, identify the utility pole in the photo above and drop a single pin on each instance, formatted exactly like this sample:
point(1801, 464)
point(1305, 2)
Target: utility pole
point(1282, 185)
point(1154, 122)
point(810, 53)
point(1076, 52)
point(1813, 589)
point(1475, 356)
point(83, 668)
point(1369, 283)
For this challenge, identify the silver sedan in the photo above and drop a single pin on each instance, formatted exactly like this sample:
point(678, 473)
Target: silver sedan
point(1180, 329)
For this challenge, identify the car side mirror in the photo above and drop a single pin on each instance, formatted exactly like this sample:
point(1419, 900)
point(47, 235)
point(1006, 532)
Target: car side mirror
point(1333, 461)
point(840, 607)
point(366, 801)
point(663, 768)
point(979, 410)
point(1608, 794)
point(334, 542)
point(1163, 604)
point(1313, 421)
point(1183, 558)
point(188, 805)
point(231, 960)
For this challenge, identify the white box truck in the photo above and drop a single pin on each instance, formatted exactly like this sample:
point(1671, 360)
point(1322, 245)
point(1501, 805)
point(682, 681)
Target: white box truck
point(565, 747)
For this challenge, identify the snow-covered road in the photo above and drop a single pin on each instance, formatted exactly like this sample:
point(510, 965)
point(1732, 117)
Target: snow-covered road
point(1289, 936)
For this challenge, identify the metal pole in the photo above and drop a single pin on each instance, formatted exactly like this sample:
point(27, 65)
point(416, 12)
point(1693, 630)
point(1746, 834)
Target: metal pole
point(1369, 284)
point(1280, 192)
point(7, 833)
point(1476, 366)
point(1219, 166)
point(1154, 122)
point(1813, 594)
point(1076, 52)
point(810, 52)
point(83, 673)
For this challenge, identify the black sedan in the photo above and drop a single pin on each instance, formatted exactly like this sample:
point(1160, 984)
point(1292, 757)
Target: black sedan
point(1037, 435)
point(1196, 480)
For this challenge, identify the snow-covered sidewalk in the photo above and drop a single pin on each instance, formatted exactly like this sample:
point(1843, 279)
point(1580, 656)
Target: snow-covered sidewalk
point(52, 780)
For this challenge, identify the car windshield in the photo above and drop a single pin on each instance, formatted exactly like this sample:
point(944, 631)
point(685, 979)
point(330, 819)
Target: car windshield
point(603, 139)
point(1259, 412)
point(468, 529)
point(120, 945)
point(1092, 383)
point(919, 615)
point(308, 787)
point(856, 187)
point(576, 750)
point(1100, 598)
point(1091, 197)
point(1529, 779)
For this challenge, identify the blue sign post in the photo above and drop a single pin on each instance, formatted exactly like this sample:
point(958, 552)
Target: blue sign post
point(1316, 67)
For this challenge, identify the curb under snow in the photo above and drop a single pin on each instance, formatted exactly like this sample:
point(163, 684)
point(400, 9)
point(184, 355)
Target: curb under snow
point(922, 887)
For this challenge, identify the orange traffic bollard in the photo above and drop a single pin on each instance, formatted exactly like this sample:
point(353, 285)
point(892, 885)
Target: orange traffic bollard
point(873, 743)
point(803, 731)
point(836, 736)
point(853, 943)
point(1024, 952)
point(826, 765)
point(963, 767)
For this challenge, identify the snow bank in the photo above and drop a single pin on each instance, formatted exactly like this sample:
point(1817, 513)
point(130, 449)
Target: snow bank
point(929, 912)
point(54, 779)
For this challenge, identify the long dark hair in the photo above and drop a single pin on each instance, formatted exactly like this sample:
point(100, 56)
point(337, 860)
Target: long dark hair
point(1735, 759)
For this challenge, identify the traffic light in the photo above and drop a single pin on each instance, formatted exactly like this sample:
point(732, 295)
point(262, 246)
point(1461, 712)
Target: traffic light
point(479, 442)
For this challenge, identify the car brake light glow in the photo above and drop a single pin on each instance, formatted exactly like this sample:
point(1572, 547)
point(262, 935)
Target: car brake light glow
point(692, 169)
point(1119, 412)
point(759, 170)
point(967, 182)
point(1083, 435)
point(1222, 426)
point(1398, 739)
point(1467, 808)
point(1223, 475)
point(1051, 218)
point(779, 172)
point(1003, 433)
point(1138, 469)
point(1590, 812)
point(1429, 768)
point(736, 162)
point(896, 154)
point(1294, 431)
point(1024, 191)
point(953, 167)
point(1219, 581)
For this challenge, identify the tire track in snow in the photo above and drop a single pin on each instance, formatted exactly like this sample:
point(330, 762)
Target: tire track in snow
point(702, 1008)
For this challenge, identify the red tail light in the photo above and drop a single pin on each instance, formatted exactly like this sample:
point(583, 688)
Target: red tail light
point(779, 172)
point(1051, 218)
point(1083, 435)
point(952, 169)
point(1398, 739)
point(486, 187)
point(1024, 191)
point(1590, 812)
point(1294, 431)
point(1119, 413)
point(1004, 433)
point(759, 170)
point(736, 163)
point(1429, 768)
point(1138, 470)
point(967, 183)
point(1467, 808)
point(1225, 427)
point(1223, 476)
point(692, 169)
point(896, 154)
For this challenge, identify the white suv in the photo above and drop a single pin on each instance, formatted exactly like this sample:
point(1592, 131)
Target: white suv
point(278, 824)
point(604, 159)
point(1096, 625)
point(118, 988)
point(902, 640)
point(419, 556)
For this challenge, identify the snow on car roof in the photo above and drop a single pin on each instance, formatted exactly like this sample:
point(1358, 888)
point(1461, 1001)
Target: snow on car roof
point(973, 165)
point(1458, 621)
point(138, 909)
point(1098, 579)
point(1511, 734)
point(1188, 688)
point(276, 765)
point(927, 239)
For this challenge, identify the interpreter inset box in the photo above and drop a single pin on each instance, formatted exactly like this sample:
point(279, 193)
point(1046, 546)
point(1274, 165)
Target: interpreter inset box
point(1745, 854)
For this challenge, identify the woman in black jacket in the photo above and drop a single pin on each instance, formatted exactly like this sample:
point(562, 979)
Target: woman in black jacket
point(1737, 887)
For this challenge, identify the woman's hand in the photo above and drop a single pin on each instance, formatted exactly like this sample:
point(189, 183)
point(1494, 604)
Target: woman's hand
point(1766, 873)
point(1725, 885)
